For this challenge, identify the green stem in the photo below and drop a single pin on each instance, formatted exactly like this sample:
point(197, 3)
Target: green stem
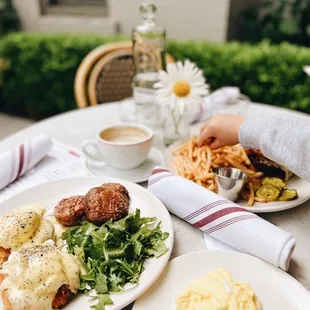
point(175, 122)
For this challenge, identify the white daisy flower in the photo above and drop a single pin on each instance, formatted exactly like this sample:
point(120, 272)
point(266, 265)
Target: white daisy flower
point(182, 85)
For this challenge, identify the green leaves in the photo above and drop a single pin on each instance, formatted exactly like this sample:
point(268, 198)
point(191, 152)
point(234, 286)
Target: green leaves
point(114, 254)
point(42, 68)
point(266, 73)
point(101, 283)
point(103, 300)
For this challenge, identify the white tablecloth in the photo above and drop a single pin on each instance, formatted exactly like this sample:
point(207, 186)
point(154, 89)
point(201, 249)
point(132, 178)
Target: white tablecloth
point(74, 127)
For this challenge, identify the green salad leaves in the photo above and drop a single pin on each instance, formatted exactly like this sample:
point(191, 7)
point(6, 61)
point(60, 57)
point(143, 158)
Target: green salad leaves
point(114, 254)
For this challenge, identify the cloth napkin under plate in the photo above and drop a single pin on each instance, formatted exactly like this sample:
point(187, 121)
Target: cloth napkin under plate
point(15, 162)
point(222, 219)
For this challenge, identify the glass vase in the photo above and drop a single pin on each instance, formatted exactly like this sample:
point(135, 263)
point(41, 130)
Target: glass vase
point(176, 126)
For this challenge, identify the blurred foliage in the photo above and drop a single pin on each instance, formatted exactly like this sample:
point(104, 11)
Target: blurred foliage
point(38, 82)
point(278, 21)
point(37, 71)
point(271, 74)
point(9, 21)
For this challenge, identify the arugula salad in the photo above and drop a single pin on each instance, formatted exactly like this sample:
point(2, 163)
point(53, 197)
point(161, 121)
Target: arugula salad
point(113, 255)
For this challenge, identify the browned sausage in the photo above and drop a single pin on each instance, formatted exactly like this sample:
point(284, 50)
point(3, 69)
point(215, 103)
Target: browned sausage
point(107, 202)
point(70, 211)
point(117, 187)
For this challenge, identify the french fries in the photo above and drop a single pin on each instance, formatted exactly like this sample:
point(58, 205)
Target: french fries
point(196, 164)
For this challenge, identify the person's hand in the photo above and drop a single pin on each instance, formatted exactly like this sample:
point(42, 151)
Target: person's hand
point(220, 130)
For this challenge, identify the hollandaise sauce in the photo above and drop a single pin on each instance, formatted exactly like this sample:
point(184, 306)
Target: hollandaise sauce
point(25, 226)
point(35, 274)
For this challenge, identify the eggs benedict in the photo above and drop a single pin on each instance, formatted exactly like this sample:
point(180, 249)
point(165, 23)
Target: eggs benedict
point(218, 291)
point(23, 227)
point(39, 277)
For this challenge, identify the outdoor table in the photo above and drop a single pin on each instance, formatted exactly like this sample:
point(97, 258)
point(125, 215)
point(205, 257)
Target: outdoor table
point(76, 126)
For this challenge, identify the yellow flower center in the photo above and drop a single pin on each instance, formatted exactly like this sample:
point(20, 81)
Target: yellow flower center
point(181, 88)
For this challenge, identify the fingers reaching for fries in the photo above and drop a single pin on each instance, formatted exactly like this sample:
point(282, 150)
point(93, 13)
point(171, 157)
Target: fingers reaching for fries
point(196, 163)
point(220, 130)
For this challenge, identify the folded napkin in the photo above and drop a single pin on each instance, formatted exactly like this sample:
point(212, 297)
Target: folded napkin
point(22, 158)
point(220, 98)
point(222, 219)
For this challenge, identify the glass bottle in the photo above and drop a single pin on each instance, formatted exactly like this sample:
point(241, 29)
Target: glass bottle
point(149, 41)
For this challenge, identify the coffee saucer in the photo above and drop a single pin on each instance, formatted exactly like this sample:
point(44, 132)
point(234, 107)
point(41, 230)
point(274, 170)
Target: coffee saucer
point(137, 175)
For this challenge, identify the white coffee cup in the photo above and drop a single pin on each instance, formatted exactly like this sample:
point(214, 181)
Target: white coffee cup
point(121, 146)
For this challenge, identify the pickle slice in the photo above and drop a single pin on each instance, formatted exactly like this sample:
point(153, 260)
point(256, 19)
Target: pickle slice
point(276, 182)
point(268, 192)
point(288, 194)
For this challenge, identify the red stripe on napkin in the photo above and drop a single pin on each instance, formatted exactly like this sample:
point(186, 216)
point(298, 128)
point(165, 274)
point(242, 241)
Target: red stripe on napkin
point(157, 179)
point(159, 170)
point(230, 222)
point(74, 154)
point(217, 215)
point(205, 209)
point(21, 159)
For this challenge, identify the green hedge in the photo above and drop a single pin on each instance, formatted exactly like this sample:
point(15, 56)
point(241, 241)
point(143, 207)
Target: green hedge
point(38, 71)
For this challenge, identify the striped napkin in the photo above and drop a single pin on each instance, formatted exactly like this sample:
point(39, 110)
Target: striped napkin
point(222, 219)
point(15, 162)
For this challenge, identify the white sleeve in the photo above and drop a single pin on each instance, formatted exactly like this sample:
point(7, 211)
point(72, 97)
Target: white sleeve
point(283, 140)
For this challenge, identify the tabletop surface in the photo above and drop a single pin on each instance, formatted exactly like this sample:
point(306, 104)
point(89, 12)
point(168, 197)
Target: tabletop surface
point(74, 127)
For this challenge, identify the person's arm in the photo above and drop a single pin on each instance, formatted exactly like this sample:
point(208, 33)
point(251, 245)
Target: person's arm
point(283, 140)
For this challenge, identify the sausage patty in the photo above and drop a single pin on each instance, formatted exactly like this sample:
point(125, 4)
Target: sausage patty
point(117, 187)
point(70, 211)
point(107, 202)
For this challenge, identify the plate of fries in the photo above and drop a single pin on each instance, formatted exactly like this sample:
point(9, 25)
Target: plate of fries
point(186, 159)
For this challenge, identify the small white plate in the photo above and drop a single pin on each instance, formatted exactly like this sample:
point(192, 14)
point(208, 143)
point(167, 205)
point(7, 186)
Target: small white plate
point(302, 187)
point(49, 194)
point(275, 289)
point(137, 175)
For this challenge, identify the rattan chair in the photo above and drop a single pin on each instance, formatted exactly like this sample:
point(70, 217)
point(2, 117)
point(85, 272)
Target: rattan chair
point(105, 75)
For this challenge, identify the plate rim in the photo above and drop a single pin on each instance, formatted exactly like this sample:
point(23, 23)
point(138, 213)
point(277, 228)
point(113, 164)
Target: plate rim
point(133, 180)
point(237, 253)
point(263, 208)
point(206, 252)
point(170, 246)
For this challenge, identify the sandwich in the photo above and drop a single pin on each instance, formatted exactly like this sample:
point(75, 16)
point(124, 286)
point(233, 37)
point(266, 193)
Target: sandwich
point(39, 277)
point(23, 227)
point(267, 166)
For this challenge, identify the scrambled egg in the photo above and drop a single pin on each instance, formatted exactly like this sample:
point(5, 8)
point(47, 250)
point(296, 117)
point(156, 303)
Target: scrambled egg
point(25, 227)
point(34, 275)
point(218, 291)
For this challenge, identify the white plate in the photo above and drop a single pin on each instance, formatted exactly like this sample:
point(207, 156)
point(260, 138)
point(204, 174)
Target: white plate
point(49, 194)
point(275, 289)
point(137, 175)
point(302, 187)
